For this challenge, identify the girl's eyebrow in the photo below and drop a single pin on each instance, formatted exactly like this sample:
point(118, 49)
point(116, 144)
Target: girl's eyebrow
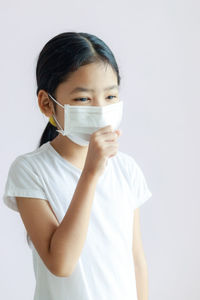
point(82, 89)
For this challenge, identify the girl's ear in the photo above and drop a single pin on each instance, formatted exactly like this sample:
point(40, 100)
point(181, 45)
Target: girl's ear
point(45, 104)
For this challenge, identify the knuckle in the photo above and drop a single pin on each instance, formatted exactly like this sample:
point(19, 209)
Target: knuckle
point(98, 145)
point(93, 135)
point(100, 151)
point(94, 138)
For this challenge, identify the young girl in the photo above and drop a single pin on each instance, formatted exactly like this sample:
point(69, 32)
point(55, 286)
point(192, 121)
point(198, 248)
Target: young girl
point(77, 194)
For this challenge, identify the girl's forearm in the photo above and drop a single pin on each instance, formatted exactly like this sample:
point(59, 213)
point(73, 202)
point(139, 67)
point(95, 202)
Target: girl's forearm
point(68, 239)
point(141, 273)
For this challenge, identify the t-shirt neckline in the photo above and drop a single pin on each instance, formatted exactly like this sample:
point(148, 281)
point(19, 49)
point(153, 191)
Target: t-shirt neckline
point(63, 159)
point(67, 162)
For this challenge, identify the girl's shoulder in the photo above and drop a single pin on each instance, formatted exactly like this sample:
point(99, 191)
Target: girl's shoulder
point(128, 163)
point(28, 159)
point(125, 160)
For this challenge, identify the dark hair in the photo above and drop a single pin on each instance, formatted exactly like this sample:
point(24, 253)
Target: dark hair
point(60, 57)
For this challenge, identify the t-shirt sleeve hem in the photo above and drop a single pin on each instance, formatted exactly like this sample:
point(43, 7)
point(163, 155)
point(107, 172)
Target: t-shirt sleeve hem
point(146, 197)
point(10, 200)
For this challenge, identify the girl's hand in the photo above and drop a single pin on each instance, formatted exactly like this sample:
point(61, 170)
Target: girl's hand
point(103, 144)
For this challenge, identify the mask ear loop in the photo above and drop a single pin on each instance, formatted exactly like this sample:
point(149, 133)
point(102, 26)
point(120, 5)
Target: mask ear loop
point(61, 130)
point(55, 100)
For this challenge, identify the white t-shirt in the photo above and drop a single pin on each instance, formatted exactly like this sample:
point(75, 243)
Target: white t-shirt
point(105, 269)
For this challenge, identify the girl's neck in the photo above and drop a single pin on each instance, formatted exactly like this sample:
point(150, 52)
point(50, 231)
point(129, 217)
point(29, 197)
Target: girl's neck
point(70, 151)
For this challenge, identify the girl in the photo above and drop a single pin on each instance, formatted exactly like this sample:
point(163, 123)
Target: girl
point(77, 194)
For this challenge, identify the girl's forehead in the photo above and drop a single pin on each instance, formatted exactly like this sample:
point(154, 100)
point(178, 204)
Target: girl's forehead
point(90, 78)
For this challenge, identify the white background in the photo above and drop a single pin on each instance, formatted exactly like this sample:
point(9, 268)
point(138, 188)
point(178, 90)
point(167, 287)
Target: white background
point(157, 47)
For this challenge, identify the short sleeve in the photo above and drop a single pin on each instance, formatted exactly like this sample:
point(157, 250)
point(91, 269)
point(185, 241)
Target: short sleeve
point(21, 181)
point(141, 191)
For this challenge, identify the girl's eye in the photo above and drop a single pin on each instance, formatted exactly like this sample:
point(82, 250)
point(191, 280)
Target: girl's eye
point(112, 96)
point(78, 99)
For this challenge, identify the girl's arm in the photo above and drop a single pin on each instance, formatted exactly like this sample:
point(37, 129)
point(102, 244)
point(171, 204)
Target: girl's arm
point(60, 245)
point(68, 240)
point(141, 271)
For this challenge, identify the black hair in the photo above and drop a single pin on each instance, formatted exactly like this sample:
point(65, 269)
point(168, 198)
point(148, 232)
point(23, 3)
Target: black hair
point(60, 57)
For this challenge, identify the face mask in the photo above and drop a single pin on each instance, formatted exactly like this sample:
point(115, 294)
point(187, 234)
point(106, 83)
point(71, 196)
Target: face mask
point(81, 121)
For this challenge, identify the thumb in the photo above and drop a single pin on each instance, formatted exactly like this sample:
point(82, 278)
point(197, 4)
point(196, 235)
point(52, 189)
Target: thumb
point(119, 132)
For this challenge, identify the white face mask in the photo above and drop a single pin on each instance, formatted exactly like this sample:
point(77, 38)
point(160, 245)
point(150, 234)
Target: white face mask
point(81, 121)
